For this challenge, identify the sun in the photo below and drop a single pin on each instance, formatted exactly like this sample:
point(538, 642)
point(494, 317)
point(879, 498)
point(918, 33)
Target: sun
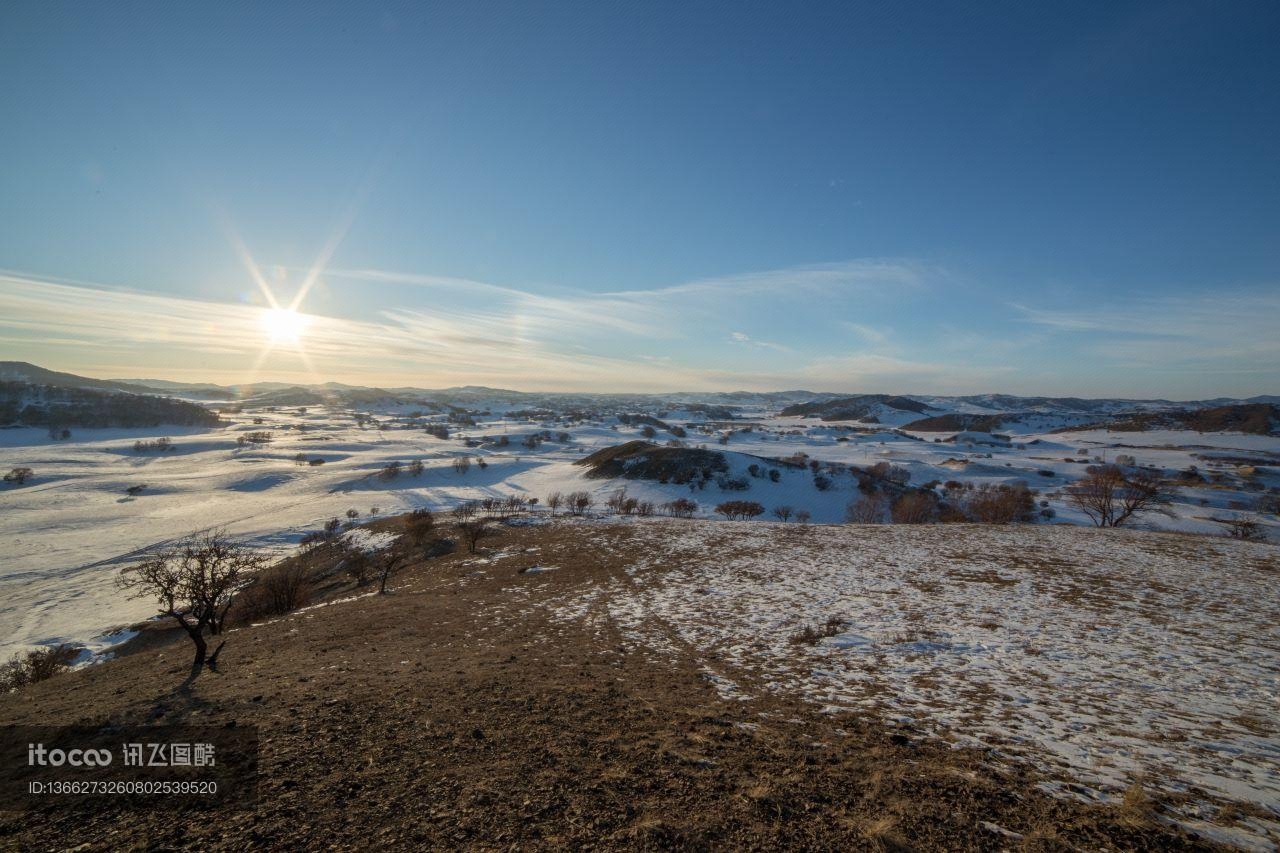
point(284, 325)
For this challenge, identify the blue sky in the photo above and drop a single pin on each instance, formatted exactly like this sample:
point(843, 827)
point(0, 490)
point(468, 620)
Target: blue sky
point(953, 197)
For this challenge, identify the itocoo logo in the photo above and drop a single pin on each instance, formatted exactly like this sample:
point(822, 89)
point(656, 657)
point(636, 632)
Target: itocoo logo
point(38, 755)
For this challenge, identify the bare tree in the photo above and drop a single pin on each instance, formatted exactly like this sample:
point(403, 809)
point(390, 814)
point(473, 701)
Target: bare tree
point(554, 500)
point(472, 532)
point(416, 467)
point(580, 502)
point(194, 583)
point(1110, 495)
point(465, 511)
point(617, 500)
point(803, 516)
point(865, 510)
point(462, 464)
point(390, 562)
point(782, 513)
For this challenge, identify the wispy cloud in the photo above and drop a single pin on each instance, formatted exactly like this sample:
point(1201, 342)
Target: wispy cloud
point(1228, 331)
point(744, 338)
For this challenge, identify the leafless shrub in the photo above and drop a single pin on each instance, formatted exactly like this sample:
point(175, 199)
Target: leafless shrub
point(421, 525)
point(357, 565)
point(555, 500)
point(803, 516)
point(782, 513)
point(387, 564)
point(472, 532)
point(914, 508)
point(462, 464)
point(19, 475)
point(998, 503)
point(810, 634)
point(681, 508)
point(892, 473)
point(276, 591)
point(616, 500)
point(580, 502)
point(740, 510)
point(35, 665)
point(867, 509)
point(1245, 529)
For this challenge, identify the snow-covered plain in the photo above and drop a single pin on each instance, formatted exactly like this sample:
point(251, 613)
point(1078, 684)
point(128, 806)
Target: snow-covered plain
point(65, 533)
point(1105, 657)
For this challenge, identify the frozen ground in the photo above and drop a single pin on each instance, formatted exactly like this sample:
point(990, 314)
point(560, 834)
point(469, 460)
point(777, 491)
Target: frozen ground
point(64, 534)
point(1105, 657)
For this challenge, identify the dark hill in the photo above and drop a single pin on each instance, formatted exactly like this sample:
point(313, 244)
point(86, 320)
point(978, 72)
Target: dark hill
point(956, 423)
point(641, 460)
point(853, 408)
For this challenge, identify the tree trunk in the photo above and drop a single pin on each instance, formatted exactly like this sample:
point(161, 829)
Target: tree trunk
point(202, 650)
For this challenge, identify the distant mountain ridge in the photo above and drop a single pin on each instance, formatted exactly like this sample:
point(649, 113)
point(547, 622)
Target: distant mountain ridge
point(914, 411)
point(22, 371)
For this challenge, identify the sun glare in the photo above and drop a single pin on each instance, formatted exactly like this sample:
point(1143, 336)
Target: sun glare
point(284, 325)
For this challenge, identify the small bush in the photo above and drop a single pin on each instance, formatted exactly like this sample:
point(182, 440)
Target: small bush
point(892, 473)
point(681, 508)
point(915, 508)
point(998, 504)
point(30, 667)
point(865, 510)
point(278, 590)
point(19, 475)
point(809, 635)
point(740, 510)
point(1245, 529)
point(579, 502)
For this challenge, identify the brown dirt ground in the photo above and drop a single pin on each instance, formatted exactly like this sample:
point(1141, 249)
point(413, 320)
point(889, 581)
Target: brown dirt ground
point(442, 716)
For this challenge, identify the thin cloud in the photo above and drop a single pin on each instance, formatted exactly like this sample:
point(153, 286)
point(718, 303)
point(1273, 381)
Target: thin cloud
point(744, 338)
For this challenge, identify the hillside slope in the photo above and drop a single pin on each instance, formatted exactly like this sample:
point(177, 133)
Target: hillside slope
point(643, 689)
